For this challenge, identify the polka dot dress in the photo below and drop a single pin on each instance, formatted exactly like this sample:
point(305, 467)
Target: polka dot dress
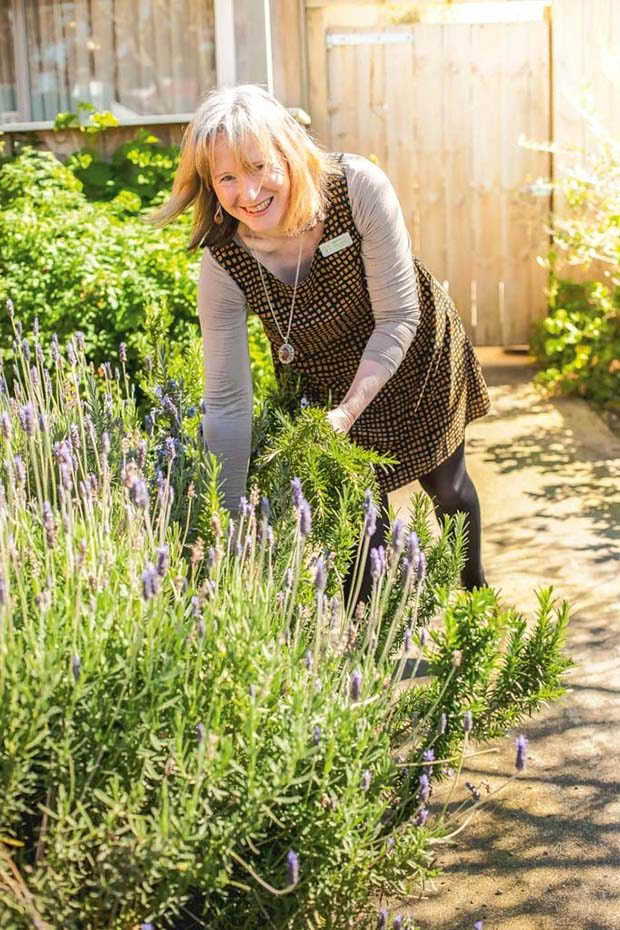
point(419, 416)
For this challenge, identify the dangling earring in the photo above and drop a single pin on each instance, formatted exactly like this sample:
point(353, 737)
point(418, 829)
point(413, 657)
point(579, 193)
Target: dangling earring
point(218, 216)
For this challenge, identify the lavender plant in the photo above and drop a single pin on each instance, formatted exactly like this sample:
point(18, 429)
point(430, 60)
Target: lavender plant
point(195, 731)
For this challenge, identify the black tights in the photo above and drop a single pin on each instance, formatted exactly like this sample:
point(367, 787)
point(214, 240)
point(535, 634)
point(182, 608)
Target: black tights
point(451, 490)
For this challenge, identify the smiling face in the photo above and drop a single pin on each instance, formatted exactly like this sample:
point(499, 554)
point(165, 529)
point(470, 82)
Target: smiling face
point(256, 193)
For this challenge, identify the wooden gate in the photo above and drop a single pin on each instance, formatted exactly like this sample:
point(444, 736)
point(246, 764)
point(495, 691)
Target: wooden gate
point(442, 107)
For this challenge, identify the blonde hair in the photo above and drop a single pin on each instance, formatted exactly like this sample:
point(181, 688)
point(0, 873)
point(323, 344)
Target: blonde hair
point(245, 114)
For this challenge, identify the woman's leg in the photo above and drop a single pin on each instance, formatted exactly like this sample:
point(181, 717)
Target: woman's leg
point(451, 490)
point(377, 539)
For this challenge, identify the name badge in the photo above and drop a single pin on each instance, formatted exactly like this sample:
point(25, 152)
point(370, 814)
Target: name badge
point(335, 245)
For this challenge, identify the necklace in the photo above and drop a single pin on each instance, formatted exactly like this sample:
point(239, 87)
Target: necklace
point(286, 352)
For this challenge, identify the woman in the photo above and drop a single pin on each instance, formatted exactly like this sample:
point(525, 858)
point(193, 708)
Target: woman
point(316, 245)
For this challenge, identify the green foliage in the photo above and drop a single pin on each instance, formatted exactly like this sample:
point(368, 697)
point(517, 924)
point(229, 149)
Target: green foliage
point(97, 268)
point(142, 166)
point(87, 119)
point(579, 342)
point(174, 721)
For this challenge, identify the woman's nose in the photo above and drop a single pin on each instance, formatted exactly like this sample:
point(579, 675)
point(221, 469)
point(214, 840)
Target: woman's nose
point(250, 188)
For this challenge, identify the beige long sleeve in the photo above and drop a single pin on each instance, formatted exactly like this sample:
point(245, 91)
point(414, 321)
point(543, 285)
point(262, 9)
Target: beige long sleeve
point(390, 277)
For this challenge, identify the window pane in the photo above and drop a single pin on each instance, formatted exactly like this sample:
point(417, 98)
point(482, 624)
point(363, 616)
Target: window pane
point(8, 95)
point(133, 57)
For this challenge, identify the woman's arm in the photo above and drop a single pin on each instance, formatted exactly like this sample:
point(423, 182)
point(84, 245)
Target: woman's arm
point(390, 276)
point(227, 423)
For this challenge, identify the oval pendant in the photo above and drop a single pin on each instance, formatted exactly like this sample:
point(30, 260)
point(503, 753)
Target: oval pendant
point(286, 353)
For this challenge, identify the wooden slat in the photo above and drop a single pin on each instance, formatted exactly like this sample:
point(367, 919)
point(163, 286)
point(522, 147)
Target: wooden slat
point(458, 118)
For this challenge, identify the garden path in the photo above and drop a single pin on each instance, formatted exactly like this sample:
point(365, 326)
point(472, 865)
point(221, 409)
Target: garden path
point(545, 854)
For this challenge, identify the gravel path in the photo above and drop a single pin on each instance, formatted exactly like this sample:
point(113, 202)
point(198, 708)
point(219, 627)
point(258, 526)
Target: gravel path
point(545, 854)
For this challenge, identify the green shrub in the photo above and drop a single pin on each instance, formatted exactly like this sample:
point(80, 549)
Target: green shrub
point(177, 719)
point(579, 342)
point(91, 267)
point(142, 166)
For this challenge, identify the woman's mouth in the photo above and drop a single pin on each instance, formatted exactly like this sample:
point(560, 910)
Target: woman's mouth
point(260, 208)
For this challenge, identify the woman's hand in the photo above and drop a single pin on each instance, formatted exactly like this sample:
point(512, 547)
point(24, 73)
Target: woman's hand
point(340, 420)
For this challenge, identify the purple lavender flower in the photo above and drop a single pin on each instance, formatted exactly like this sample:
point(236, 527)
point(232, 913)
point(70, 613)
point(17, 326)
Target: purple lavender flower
point(150, 581)
point(479, 925)
point(425, 788)
point(398, 531)
point(26, 350)
point(382, 921)
point(521, 759)
point(429, 756)
point(138, 493)
point(292, 863)
point(367, 499)
point(20, 470)
point(71, 356)
point(423, 637)
point(169, 449)
point(79, 337)
point(34, 376)
point(420, 568)
point(10, 306)
point(48, 524)
point(105, 443)
point(269, 536)
point(320, 575)
point(413, 544)
point(334, 610)
point(474, 791)
point(407, 640)
point(141, 453)
point(356, 685)
point(366, 779)
point(421, 817)
point(370, 524)
point(27, 419)
point(74, 435)
point(443, 722)
point(375, 564)
point(468, 722)
point(149, 423)
point(397, 923)
point(38, 351)
point(201, 732)
point(147, 927)
point(305, 518)
point(238, 549)
point(55, 349)
point(389, 843)
point(122, 352)
point(265, 507)
point(244, 507)
point(162, 562)
point(308, 660)
point(76, 667)
point(316, 735)
point(297, 492)
point(5, 425)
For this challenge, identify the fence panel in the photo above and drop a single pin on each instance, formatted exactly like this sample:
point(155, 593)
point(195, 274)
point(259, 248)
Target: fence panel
point(442, 107)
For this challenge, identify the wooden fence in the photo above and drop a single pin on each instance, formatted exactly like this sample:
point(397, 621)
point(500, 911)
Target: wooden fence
point(442, 106)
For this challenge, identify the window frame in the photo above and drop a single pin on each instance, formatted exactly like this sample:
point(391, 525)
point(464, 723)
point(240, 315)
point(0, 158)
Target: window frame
point(224, 69)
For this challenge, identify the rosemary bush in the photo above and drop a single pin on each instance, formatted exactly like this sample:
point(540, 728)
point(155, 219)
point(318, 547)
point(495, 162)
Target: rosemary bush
point(192, 732)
